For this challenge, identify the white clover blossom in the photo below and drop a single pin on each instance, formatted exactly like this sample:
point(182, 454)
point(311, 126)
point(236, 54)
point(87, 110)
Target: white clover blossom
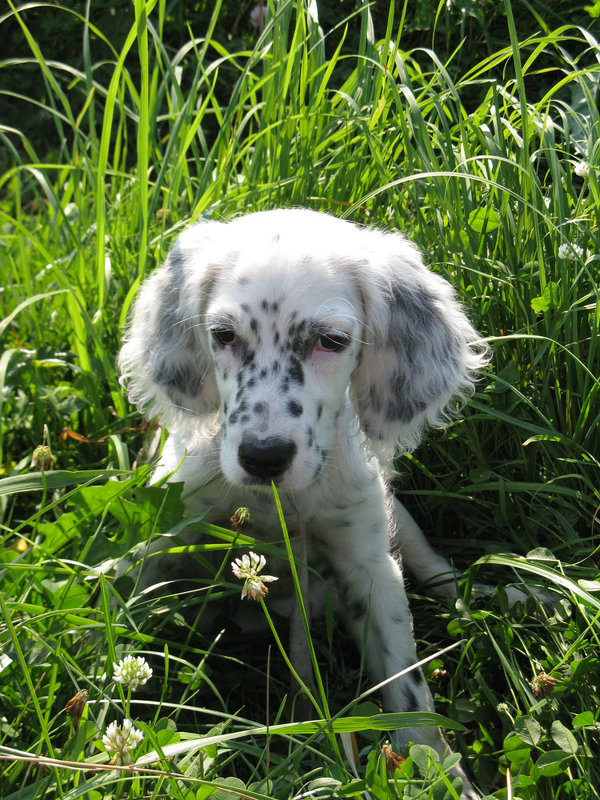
point(132, 671)
point(120, 740)
point(582, 169)
point(258, 16)
point(570, 252)
point(247, 568)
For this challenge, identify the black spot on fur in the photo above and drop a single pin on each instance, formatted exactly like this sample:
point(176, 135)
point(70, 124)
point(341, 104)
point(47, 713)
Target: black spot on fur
point(294, 408)
point(297, 340)
point(401, 406)
point(176, 377)
point(319, 411)
point(375, 400)
point(413, 314)
point(357, 608)
point(295, 371)
point(235, 414)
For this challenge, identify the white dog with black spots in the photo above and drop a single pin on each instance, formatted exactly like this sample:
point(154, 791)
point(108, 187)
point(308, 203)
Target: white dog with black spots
point(293, 347)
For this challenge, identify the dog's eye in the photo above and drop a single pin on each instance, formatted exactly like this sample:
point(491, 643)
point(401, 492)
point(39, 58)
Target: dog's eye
point(332, 342)
point(224, 336)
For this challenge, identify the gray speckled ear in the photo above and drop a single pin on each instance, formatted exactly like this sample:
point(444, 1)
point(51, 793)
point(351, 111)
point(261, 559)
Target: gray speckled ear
point(420, 350)
point(164, 360)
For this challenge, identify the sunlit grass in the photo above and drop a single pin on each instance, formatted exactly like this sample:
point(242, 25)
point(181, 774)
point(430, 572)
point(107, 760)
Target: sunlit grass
point(495, 179)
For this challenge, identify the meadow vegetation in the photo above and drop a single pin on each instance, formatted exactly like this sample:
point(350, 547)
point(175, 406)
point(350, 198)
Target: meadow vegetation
point(491, 164)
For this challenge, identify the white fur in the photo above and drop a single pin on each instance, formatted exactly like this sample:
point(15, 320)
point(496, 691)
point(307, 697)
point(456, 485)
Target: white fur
point(230, 342)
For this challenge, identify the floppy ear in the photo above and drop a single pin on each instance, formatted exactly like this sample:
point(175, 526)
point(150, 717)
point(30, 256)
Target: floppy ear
point(165, 362)
point(420, 349)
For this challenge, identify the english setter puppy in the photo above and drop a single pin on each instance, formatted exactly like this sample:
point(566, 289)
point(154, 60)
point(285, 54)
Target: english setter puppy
point(294, 347)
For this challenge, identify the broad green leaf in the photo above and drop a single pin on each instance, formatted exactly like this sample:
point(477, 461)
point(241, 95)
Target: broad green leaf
point(550, 298)
point(528, 730)
point(484, 220)
point(563, 738)
point(516, 751)
point(584, 719)
point(551, 763)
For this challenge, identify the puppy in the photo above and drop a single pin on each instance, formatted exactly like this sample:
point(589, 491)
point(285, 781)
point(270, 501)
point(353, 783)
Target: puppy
point(292, 347)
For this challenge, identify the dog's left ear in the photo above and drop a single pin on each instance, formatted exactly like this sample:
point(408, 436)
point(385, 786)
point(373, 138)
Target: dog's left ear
point(420, 349)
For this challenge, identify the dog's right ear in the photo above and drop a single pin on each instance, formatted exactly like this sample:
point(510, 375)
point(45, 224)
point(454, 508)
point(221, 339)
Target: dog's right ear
point(165, 361)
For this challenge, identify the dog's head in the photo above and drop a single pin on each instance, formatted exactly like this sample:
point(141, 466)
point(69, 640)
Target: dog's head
point(280, 320)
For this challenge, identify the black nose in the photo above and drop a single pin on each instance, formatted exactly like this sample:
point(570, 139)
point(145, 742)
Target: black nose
point(266, 458)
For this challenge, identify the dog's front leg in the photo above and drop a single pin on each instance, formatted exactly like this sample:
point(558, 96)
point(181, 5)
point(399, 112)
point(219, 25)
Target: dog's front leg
point(375, 607)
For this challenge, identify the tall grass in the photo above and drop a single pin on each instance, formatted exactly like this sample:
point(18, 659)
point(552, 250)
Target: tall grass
point(494, 172)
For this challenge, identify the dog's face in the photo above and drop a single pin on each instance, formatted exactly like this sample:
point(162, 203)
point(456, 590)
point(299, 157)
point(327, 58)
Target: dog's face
point(283, 353)
point(277, 321)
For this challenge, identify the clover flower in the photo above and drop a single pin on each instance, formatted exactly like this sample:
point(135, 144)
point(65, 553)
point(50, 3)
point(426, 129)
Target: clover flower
point(242, 519)
point(392, 760)
point(247, 568)
point(581, 169)
point(258, 16)
point(543, 685)
point(42, 457)
point(132, 671)
point(120, 740)
point(570, 252)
